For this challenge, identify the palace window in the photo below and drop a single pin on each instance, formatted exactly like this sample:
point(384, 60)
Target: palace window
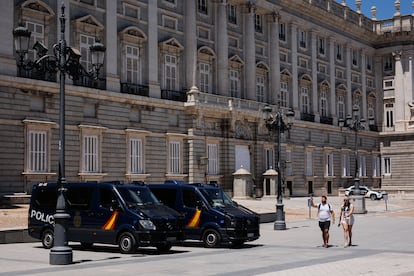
point(212, 152)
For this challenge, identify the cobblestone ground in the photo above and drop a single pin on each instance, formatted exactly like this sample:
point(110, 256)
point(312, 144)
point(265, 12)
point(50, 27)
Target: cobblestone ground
point(13, 216)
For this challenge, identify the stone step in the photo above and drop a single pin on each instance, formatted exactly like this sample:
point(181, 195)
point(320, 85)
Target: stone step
point(15, 199)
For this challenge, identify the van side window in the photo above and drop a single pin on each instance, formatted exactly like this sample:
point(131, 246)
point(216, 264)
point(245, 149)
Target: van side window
point(45, 199)
point(79, 198)
point(190, 198)
point(106, 198)
point(166, 196)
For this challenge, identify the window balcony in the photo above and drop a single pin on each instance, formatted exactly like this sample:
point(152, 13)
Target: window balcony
point(307, 117)
point(86, 81)
point(36, 74)
point(179, 96)
point(326, 120)
point(135, 89)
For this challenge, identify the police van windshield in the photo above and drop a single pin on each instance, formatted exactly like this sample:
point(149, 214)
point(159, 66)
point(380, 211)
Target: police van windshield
point(138, 196)
point(216, 197)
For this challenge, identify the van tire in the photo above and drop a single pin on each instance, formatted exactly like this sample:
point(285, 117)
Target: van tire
point(164, 247)
point(127, 243)
point(211, 238)
point(86, 245)
point(48, 238)
point(237, 243)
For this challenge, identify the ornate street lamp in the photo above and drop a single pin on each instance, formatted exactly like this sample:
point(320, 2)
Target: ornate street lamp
point(65, 60)
point(276, 123)
point(355, 123)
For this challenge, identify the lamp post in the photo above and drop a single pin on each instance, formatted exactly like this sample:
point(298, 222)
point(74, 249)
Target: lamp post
point(355, 123)
point(276, 123)
point(65, 60)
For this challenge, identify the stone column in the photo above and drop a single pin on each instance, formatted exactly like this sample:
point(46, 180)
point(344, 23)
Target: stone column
point(190, 44)
point(111, 55)
point(249, 53)
point(222, 49)
point(153, 50)
point(294, 51)
point(274, 93)
point(348, 60)
point(314, 52)
point(7, 59)
point(332, 82)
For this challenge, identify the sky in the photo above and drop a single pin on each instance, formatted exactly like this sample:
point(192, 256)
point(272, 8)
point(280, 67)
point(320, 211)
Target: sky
point(385, 8)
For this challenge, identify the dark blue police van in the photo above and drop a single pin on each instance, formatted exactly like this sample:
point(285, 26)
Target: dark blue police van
point(124, 214)
point(210, 214)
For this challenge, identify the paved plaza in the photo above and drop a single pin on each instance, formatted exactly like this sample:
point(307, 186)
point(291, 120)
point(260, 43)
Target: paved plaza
point(383, 245)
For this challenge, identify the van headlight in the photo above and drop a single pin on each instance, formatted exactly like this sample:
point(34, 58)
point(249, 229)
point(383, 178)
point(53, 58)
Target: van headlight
point(231, 222)
point(147, 224)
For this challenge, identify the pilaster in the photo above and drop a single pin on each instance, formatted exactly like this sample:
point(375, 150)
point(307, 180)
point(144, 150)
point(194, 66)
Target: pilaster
point(332, 81)
point(400, 101)
point(222, 49)
point(348, 80)
point(314, 44)
point(112, 77)
point(7, 59)
point(190, 44)
point(294, 50)
point(250, 53)
point(364, 112)
point(153, 81)
point(274, 93)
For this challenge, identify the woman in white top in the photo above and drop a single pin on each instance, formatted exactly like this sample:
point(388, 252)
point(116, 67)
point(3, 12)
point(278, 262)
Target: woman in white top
point(346, 218)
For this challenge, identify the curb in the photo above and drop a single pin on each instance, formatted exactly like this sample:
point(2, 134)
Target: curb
point(15, 236)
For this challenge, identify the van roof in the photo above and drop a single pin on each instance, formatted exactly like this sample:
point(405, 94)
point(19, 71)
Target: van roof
point(91, 184)
point(183, 183)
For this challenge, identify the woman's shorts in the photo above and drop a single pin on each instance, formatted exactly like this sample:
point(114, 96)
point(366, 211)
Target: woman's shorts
point(324, 225)
point(349, 221)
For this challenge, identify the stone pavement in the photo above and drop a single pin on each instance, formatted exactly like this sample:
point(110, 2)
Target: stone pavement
point(383, 245)
point(13, 219)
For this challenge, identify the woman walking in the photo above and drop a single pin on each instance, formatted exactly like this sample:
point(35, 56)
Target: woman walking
point(346, 218)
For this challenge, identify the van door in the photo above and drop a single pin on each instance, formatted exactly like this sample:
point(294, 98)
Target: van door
point(193, 212)
point(107, 215)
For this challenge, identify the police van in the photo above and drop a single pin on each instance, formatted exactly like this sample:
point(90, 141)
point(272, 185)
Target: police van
point(210, 214)
point(124, 214)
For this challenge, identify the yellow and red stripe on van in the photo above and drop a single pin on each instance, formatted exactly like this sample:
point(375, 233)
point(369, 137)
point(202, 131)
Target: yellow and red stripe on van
point(195, 220)
point(110, 223)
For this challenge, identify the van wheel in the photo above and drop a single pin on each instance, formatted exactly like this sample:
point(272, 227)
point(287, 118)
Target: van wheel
point(211, 238)
point(48, 238)
point(164, 247)
point(127, 243)
point(86, 245)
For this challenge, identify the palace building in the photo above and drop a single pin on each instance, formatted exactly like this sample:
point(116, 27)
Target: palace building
point(184, 84)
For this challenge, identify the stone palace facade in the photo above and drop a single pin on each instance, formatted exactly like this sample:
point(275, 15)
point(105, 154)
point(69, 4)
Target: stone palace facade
point(183, 86)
